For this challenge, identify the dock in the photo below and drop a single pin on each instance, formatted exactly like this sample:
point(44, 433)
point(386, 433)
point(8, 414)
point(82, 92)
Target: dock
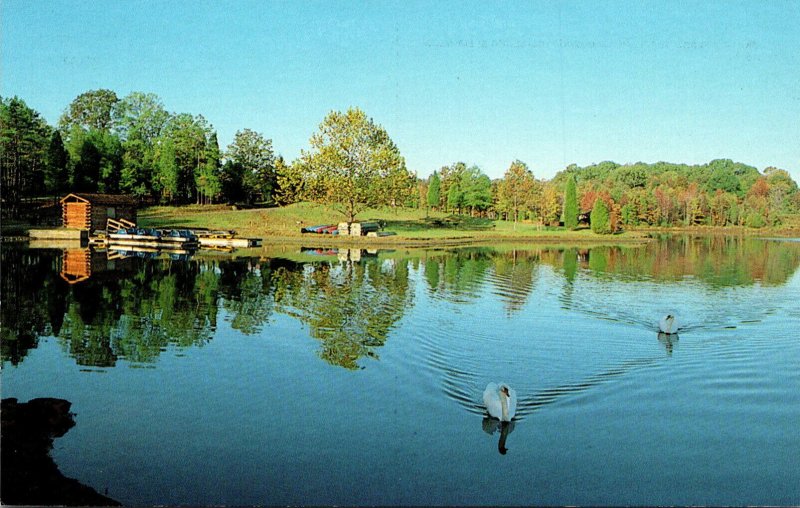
point(358, 228)
point(229, 242)
point(183, 238)
point(124, 235)
point(223, 239)
point(68, 234)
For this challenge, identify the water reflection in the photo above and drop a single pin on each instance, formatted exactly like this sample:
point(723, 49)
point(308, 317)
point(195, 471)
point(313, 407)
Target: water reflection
point(349, 307)
point(491, 425)
point(106, 306)
point(457, 274)
point(668, 340)
point(29, 474)
point(719, 261)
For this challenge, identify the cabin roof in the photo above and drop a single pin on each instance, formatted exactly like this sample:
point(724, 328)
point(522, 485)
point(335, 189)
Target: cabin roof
point(100, 199)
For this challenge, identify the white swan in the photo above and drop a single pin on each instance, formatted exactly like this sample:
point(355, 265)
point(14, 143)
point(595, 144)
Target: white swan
point(501, 401)
point(668, 325)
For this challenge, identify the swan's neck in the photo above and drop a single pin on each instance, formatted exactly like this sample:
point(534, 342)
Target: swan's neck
point(504, 406)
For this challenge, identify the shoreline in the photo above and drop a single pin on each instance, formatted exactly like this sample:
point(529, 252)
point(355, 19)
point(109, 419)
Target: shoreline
point(629, 237)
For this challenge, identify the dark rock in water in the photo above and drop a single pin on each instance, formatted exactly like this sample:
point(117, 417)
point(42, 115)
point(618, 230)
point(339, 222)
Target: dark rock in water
point(29, 474)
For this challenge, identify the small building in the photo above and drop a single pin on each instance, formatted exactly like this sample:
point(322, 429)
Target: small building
point(92, 211)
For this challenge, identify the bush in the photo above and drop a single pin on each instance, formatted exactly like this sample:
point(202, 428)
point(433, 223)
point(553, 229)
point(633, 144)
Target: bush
point(755, 220)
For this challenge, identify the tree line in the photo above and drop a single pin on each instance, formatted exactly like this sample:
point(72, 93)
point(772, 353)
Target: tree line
point(130, 145)
point(133, 145)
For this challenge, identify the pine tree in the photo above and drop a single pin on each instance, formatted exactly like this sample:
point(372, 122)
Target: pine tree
point(571, 204)
point(57, 158)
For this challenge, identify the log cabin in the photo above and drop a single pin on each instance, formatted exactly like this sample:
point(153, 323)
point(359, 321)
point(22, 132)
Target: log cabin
point(92, 211)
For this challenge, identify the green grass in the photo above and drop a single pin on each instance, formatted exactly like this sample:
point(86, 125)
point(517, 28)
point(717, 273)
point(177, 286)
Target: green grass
point(410, 225)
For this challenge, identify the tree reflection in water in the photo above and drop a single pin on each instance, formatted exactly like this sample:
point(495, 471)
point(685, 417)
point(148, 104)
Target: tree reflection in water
point(134, 309)
point(350, 307)
point(29, 474)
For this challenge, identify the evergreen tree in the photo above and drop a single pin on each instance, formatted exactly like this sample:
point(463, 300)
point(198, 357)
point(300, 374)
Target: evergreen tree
point(207, 178)
point(231, 179)
point(455, 197)
point(23, 150)
point(86, 165)
point(56, 176)
point(434, 191)
point(571, 204)
point(600, 218)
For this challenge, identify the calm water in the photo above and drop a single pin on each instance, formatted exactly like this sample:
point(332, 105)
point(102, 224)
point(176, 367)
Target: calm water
point(355, 378)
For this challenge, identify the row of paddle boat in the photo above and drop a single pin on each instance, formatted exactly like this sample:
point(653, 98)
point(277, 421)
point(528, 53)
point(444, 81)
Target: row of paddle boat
point(150, 237)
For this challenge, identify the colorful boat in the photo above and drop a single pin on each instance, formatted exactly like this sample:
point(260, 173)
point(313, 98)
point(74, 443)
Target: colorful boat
point(149, 237)
point(324, 229)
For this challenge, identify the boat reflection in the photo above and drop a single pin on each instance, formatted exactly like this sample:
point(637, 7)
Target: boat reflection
point(342, 254)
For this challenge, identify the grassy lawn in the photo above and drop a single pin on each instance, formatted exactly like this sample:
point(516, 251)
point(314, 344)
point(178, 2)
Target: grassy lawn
point(412, 227)
point(409, 225)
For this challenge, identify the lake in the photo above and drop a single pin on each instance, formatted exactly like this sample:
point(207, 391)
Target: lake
point(355, 377)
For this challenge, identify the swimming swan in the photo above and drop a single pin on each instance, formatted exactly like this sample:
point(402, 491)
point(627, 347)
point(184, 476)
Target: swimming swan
point(668, 325)
point(501, 401)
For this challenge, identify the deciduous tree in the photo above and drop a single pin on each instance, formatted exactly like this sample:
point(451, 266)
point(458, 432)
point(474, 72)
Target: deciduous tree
point(188, 135)
point(254, 153)
point(207, 178)
point(90, 110)
point(477, 190)
point(351, 157)
point(516, 189)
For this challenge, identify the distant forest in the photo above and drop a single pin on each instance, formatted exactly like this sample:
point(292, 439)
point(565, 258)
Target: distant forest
point(133, 145)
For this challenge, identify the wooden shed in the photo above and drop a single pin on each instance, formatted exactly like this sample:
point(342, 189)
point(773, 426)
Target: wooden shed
point(92, 211)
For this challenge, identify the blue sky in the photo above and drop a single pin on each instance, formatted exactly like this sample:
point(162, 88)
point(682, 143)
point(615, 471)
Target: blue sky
point(550, 83)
